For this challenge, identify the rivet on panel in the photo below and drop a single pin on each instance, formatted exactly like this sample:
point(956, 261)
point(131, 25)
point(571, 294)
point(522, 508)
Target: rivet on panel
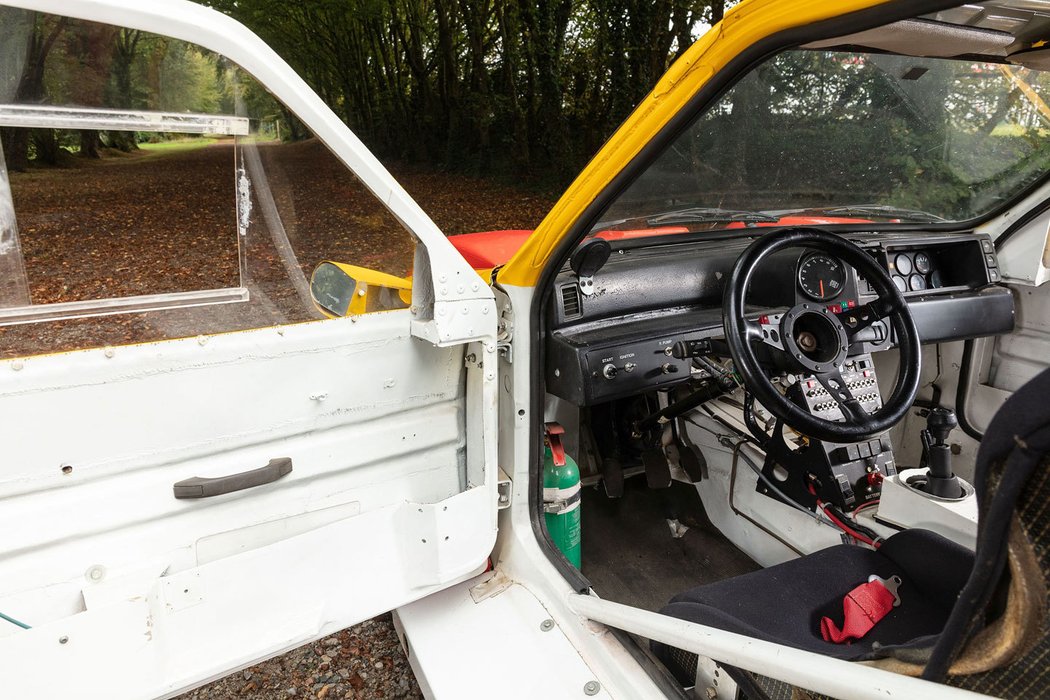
point(202, 340)
point(17, 365)
point(109, 353)
point(95, 573)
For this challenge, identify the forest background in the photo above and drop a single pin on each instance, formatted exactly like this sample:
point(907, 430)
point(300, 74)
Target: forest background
point(494, 87)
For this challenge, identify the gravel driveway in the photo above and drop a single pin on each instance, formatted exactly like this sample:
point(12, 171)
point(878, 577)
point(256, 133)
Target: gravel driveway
point(364, 661)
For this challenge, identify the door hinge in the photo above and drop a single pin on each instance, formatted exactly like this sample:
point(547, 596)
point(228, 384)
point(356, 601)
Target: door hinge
point(505, 333)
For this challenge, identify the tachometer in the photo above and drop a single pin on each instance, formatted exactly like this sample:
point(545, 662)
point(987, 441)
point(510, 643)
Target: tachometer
point(922, 263)
point(821, 276)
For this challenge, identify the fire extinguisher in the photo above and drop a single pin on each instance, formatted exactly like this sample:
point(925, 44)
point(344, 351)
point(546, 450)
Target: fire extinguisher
point(561, 494)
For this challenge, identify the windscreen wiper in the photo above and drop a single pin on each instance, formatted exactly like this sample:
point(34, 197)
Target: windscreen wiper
point(703, 215)
point(886, 211)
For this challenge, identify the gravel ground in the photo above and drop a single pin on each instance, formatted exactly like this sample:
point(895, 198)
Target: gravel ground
point(364, 661)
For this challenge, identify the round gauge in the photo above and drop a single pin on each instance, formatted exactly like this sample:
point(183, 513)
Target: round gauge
point(903, 263)
point(935, 280)
point(922, 263)
point(917, 283)
point(902, 284)
point(821, 276)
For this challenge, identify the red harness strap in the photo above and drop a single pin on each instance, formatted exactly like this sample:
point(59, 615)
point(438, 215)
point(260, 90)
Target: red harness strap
point(863, 607)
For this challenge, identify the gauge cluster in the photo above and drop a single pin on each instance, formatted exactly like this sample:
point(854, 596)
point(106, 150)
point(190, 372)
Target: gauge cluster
point(914, 271)
point(822, 277)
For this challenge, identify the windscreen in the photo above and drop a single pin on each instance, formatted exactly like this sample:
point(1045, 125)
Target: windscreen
point(851, 136)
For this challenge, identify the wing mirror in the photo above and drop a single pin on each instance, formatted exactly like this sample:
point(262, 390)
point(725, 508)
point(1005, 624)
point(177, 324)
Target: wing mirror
point(339, 289)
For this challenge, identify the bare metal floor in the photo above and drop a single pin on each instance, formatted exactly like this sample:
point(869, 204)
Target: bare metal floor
point(630, 557)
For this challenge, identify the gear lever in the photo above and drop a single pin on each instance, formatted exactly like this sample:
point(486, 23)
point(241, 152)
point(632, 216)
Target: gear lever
point(940, 480)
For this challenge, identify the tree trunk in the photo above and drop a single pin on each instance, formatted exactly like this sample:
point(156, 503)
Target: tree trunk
point(31, 90)
point(46, 145)
point(90, 144)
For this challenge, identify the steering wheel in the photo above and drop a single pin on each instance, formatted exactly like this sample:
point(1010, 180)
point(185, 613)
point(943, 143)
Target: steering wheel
point(816, 341)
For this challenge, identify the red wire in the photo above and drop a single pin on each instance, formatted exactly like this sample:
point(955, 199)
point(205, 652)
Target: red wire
point(841, 525)
point(851, 532)
point(862, 506)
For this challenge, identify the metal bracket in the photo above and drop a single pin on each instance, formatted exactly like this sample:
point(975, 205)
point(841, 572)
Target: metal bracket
point(458, 322)
point(712, 682)
point(586, 286)
point(504, 486)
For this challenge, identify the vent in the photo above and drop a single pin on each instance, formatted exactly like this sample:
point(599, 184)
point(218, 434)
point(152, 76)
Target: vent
point(571, 302)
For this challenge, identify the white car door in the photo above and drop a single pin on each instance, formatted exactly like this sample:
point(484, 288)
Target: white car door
point(351, 461)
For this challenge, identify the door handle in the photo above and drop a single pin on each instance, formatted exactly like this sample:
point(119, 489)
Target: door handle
point(205, 487)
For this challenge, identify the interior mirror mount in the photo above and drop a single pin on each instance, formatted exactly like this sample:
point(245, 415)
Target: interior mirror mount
point(587, 260)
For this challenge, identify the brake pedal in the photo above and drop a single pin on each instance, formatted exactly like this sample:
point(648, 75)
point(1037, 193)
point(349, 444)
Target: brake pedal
point(657, 468)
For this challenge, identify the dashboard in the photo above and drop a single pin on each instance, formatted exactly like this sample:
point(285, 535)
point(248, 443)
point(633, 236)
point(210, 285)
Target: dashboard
point(652, 308)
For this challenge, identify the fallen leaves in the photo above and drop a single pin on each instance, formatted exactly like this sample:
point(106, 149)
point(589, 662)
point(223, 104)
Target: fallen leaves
point(167, 223)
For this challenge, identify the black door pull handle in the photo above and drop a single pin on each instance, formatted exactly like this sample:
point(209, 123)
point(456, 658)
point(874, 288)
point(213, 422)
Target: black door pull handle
point(204, 487)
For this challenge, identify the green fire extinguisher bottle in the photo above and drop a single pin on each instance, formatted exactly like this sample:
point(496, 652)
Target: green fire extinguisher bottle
point(561, 495)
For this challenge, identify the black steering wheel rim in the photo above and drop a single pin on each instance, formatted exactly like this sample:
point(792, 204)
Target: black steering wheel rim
point(890, 304)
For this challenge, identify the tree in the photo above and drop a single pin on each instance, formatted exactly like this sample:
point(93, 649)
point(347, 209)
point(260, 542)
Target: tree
point(42, 31)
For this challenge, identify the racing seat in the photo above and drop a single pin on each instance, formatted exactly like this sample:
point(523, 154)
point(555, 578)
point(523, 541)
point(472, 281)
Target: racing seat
point(977, 620)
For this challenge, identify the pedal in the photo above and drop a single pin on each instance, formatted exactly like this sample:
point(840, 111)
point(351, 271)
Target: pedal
point(657, 468)
point(693, 461)
point(612, 477)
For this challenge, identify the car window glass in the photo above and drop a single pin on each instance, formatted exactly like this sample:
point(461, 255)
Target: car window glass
point(151, 189)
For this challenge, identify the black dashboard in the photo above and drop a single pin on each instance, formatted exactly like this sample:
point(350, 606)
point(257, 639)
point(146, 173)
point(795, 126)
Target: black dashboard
point(623, 332)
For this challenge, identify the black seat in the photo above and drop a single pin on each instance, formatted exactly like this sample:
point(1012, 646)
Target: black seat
point(983, 627)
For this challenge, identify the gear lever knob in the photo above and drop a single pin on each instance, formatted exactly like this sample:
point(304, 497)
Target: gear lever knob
point(940, 423)
point(940, 481)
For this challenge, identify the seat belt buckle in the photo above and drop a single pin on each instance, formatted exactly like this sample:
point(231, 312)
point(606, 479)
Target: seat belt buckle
point(862, 608)
point(891, 584)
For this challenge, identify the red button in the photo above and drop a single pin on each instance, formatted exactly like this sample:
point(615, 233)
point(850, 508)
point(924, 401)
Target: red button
point(867, 373)
point(851, 303)
point(810, 383)
point(834, 308)
point(763, 320)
